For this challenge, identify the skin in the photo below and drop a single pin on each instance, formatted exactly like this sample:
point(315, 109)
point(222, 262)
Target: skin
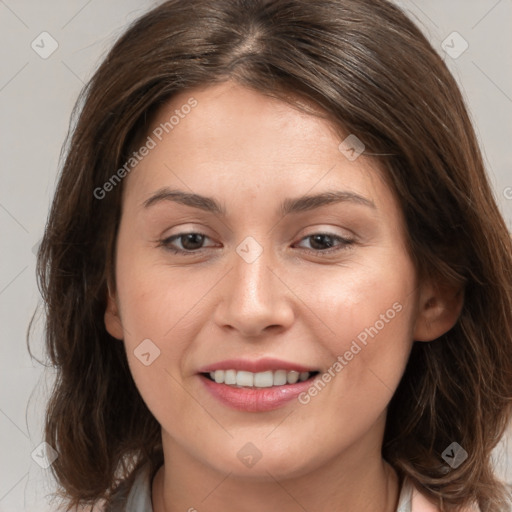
point(250, 152)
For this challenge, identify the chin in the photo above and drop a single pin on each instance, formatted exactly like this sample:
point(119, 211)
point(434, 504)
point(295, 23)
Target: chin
point(269, 461)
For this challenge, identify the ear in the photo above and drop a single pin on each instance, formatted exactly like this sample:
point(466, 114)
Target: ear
point(439, 309)
point(112, 318)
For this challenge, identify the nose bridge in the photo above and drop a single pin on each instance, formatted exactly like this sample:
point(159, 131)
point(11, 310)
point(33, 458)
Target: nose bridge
point(251, 274)
point(254, 299)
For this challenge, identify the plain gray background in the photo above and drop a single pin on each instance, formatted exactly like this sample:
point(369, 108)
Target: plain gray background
point(36, 98)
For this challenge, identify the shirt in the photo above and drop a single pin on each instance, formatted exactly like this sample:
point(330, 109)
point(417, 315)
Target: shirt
point(138, 498)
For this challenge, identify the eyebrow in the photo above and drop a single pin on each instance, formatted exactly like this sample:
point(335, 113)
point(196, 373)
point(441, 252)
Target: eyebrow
point(288, 206)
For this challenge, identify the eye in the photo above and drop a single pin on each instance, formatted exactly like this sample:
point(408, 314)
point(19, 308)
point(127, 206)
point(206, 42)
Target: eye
point(190, 242)
point(324, 243)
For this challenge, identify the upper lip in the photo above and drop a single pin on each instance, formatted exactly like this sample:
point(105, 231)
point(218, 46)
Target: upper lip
point(255, 365)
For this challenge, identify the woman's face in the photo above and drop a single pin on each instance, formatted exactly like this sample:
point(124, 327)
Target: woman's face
point(298, 264)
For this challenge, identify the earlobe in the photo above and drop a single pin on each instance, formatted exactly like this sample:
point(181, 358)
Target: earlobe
point(439, 310)
point(112, 319)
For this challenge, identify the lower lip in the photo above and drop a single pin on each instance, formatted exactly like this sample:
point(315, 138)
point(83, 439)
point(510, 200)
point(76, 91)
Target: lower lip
point(255, 399)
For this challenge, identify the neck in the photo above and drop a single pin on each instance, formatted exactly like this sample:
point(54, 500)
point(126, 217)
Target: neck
point(344, 484)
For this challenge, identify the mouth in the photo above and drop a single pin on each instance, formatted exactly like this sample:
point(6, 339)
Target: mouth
point(256, 385)
point(266, 379)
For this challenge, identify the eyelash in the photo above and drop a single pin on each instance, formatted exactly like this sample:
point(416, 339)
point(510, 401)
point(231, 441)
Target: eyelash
point(344, 243)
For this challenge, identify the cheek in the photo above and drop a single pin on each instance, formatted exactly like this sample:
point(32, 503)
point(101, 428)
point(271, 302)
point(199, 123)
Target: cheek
point(157, 300)
point(367, 314)
point(378, 289)
point(162, 313)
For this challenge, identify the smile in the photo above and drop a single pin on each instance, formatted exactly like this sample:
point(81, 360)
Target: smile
point(265, 379)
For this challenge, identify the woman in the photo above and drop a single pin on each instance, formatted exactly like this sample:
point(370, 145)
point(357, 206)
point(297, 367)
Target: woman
point(274, 270)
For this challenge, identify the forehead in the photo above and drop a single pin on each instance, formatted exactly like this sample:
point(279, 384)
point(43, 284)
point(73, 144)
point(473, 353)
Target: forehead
point(238, 140)
point(246, 124)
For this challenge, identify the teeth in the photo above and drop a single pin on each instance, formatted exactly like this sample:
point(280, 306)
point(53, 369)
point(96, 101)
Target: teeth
point(263, 380)
point(292, 377)
point(244, 379)
point(259, 380)
point(230, 377)
point(280, 378)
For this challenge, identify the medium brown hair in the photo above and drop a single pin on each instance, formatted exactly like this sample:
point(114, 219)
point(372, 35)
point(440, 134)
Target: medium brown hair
point(367, 65)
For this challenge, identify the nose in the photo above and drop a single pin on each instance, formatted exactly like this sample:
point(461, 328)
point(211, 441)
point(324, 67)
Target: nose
point(255, 301)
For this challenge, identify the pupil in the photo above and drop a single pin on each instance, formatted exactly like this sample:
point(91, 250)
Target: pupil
point(319, 238)
point(192, 237)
